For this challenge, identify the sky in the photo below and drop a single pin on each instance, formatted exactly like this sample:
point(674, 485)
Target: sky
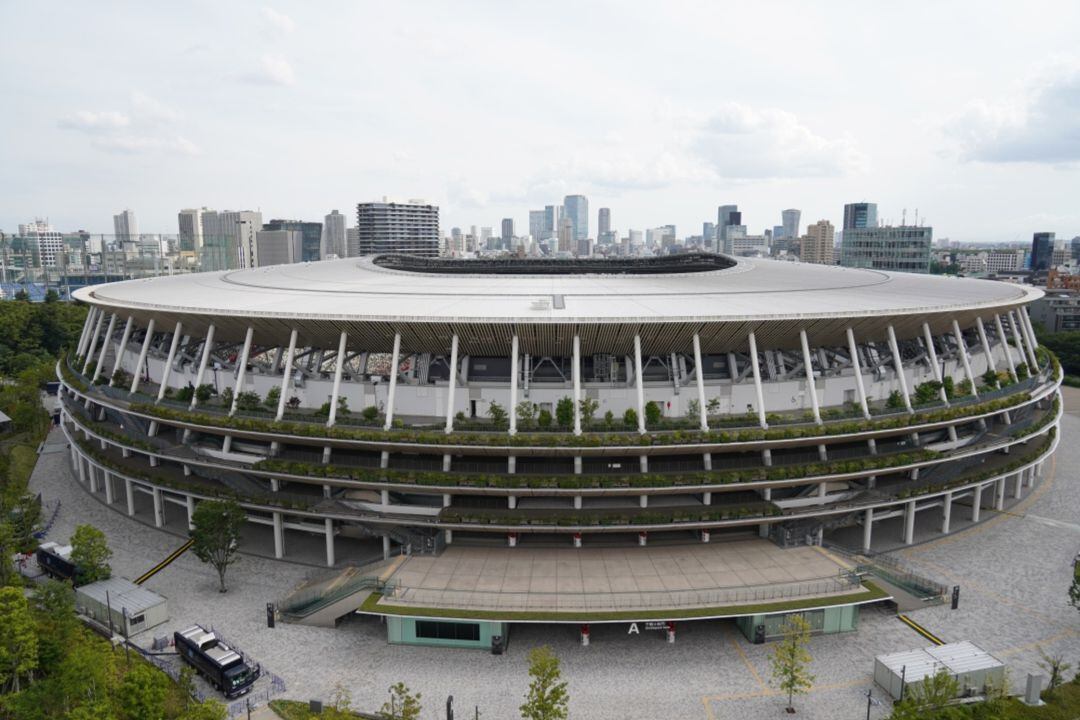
point(967, 113)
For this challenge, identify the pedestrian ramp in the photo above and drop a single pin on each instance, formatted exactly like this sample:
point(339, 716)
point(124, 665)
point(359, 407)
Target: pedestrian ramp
point(324, 599)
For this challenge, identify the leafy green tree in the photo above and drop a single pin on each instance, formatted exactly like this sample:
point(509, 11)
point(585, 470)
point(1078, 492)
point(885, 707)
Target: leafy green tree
point(216, 532)
point(547, 697)
point(629, 418)
point(226, 397)
point(1055, 667)
point(653, 413)
point(564, 412)
point(18, 639)
point(1074, 593)
point(587, 407)
point(142, 693)
point(693, 409)
point(248, 400)
point(927, 698)
point(526, 413)
point(85, 676)
point(895, 400)
point(57, 626)
point(402, 705)
point(204, 392)
point(790, 659)
point(273, 395)
point(713, 406)
point(544, 419)
point(990, 377)
point(609, 419)
point(90, 552)
point(8, 547)
point(205, 710)
point(497, 413)
point(370, 413)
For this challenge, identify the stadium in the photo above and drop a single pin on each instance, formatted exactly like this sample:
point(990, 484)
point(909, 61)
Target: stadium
point(517, 438)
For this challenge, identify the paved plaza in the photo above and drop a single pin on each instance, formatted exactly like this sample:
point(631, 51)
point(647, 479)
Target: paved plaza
point(1013, 569)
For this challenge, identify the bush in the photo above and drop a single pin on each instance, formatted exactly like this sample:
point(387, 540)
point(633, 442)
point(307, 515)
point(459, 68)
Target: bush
point(370, 413)
point(273, 395)
point(564, 412)
point(544, 419)
point(185, 393)
point(526, 413)
point(653, 413)
point(248, 400)
point(609, 419)
point(895, 401)
point(226, 397)
point(629, 418)
point(497, 413)
point(204, 392)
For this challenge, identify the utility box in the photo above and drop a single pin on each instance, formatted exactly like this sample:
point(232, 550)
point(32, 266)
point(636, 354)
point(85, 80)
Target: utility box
point(134, 609)
point(973, 668)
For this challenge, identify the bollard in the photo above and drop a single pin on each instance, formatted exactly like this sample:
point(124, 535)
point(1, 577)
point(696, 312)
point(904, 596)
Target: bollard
point(585, 635)
point(577, 540)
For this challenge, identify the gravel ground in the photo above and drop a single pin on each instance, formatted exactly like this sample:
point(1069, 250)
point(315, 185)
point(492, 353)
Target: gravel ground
point(1013, 570)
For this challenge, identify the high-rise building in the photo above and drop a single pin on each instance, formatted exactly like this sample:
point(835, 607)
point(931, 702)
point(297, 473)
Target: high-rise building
point(229, 239)
point(388, 226)
point(905, 248)
point(791, 219)
point(1042, 251)
point(634, 239)
point(566, 235)
point(603, 221)
point(860, 215)
point(39, 244)
point(279, 247)
point(191, 235)
point(553, 215)
point(708, 236)
point(126, 230)
point(1004, 261)
point(726, 216)
point(333, 236)
point(537, 224)
point(352, 242)
point(507, 231)
point(576, 207)
point(817, 245)
point(311, 236)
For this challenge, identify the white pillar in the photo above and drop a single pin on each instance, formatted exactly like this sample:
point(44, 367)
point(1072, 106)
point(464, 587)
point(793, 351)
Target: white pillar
point(964, 356)
point(1017, 487)
point(159, 508)
point(107, 479)
point(286, 375)
point(947, 513)
point(513, 383)
point(640, 384)
point(868, 528)
point(91, 318)
point(898, 365)
point(699, 378)
point(189, 501)
point(202, 365)
point(136, 376)
point(976, 503)
point(130, 491)
point(122, 348)
point(279, 536)
point(452, 385)
point(858, 372)
point(999, 494)
point(1005, 347)
point(985, 346)
point(394, 362)
point(104, 349)
point(810, 385)
point(757, 381)
point(928, 340)
point(329, 525)
point(167, 370)
point(909, 522)
point(1029, 333)
point(1018, 336)
point(241, 370)
point(576, 375)
point(93, 341)
point(339, 365)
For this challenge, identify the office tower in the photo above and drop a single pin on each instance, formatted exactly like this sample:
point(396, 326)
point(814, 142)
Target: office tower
point(352, 242)
point(388, 226)
point(279, 247)
point(576, 207)
point(726, 216)
point(507, 231)
point(817, 245)
point(905, 248)
point(37, 239)
point(634, 238)
point(484, 241)
point(553, 215)
point(654, 237)
point(191, 235)
point(311, 235)
point(566, 234)
point(333, 236)
point(537, 224)
point(603, 221)
point(126, 230)
point(1042, 251)
point(708, 236)
point(229, 239)
point(790, 220)
point(1074, 248)
point(860, 215)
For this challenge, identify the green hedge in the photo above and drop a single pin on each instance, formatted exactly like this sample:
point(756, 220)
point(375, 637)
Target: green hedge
point(609, 517)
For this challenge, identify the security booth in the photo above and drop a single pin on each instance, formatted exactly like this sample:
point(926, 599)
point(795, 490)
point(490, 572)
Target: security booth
point(974, 669)
point(133, 608)
point(823, 621)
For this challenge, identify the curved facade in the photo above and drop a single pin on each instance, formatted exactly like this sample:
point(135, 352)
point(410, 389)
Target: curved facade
point(507, 401)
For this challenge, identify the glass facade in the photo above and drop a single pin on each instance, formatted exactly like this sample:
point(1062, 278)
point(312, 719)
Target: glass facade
point(903, 249)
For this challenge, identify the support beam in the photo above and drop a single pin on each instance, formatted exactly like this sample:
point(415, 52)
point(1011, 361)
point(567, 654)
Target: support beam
point(575, 373)
point(159, 508)
point(976, 503)
point(93, 341)
point(867, 529)
point(107, 480)
point(91, 318)
point(279, 536)
point(286, 375)
point(167, 370)
point(241, 370)
point(699, 379)
point(1018, 336)
point(104, 349)
point(810, 385)
point(395, 360)
point(947, 513)
point(757, 381)
point(854, 350)
point(640, 381)
point(1018, 486)
point(136, 375)
point(999, 494)
point(339, 365)
point(453, 384)
point(1005, 346)
point(514, 372)
point(986, 346)
point(909, 522)
point(189, 501)
point(928, 341)
point(130, 493)
point(207, 345)
point(964, 356)
point(1029, 333)
point(121, 348)
point(329, 525)
point(898, 365)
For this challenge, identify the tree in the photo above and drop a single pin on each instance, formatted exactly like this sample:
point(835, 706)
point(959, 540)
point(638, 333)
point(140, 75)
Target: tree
point(1055, 667)
point(7, 550)
point(564, 412)
point(693, 409)
point(226, 397)
point(402, 705)
point(497, 413)
point(544, 419)
point(216, 532)
point(205, 710)
point(713, 406)
point(273, 395)
point(790, 659)
point(895, 400)
point(526, 413)
point(85, 675)
point(90, 552)
point(588, 407)
point(204, 392)
point(629, 418)
point(57, 625)
point(18, 639)
point(142, 693)
point(653, 412)
point(1074, 593)
point(370, 413)
point(547, 697)
point(926, 698)
point(248, 400)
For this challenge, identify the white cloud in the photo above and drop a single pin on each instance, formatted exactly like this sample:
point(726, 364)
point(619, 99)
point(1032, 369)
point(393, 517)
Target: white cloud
point(1044, 127)
point(128, 144)
point(279, 20)
point(740, 142)
point(151, 110)
point(130, 134)
point(88, 121)
point(273, 70)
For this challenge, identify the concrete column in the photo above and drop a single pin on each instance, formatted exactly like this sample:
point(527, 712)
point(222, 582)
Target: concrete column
point(898, 365)
point(946, 513)
point(339, 365)
point(167, 370)
point(706, 460)
point(511, 502)
point(446, 500)
point(643, 501)
point(286, 375)
point(91, 318)
point(999, 494)
point(511, 464)
point(576, 375)
point(699, 379)
point(121, 348)
point(858, 372)
point(130, 496)
point(909, 522)
point(706, 498)
point(395, 360)
point(1018, 337)
point(92, 474)
point(448, 535)
point(92, 346)
point(964, 356)
point(868, 528)
point(985, 346)
point(109, 492)
point(279, 536)
point(810, 385)
point(1018, 479)
point(1005, 346)
point(329, 524)
point(514, 372)
point(386, 547)
point(757, 381)
point(453, 384)
point(159, 509)
point(190, 502)
point(104, 349)
point(640, 381)
point(976, 503)
point(241, 370)
point(207, 344)
point(1029, 334)
point(384, 497)
point(928, 341)
point(136, 376)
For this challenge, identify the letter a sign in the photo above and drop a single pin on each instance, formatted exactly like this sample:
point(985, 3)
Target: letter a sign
point(633, 629)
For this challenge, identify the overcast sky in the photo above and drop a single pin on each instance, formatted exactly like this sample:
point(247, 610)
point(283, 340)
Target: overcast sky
point(966, 111)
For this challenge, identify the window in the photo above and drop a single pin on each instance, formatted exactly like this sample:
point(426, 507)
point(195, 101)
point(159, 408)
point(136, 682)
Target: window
point(447, 630)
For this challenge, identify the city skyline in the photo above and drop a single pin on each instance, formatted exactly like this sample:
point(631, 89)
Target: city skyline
point(985, 155)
